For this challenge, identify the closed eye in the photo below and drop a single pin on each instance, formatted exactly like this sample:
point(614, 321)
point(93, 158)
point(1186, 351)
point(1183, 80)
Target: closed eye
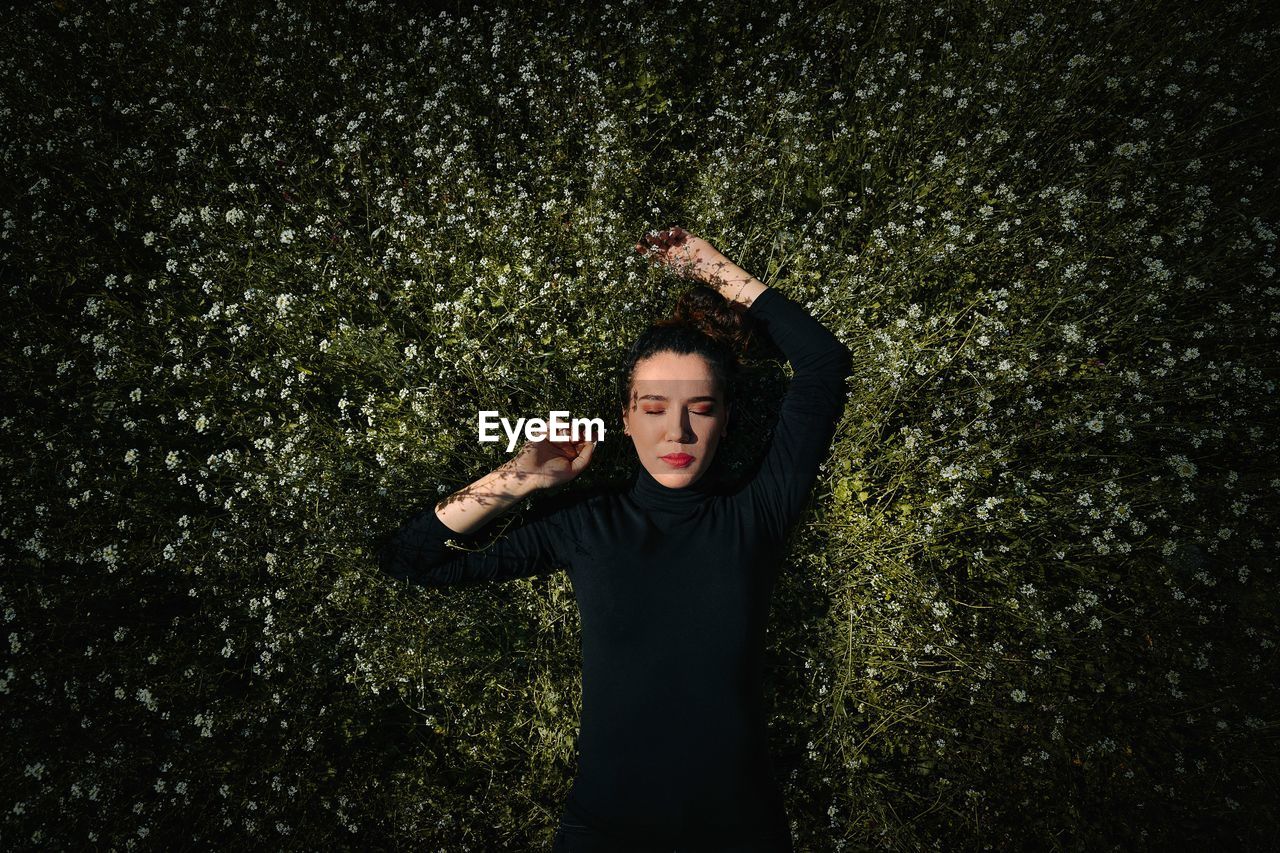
point(704, 414)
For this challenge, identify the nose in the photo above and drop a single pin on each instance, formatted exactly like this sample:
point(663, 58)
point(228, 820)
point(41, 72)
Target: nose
point(678, 428)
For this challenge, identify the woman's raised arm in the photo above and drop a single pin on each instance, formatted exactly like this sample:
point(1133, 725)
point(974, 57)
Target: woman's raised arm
point(691, 255)
point(534, 467)
point(418, 552)
point(811, 410)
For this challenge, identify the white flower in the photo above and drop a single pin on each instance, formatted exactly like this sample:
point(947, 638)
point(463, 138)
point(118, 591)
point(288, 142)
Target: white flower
point(1185, 467)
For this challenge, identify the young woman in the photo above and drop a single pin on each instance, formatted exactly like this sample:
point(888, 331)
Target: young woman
point(672, 575)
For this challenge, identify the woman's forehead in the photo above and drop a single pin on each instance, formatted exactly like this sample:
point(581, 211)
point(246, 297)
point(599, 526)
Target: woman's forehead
point(675, 368)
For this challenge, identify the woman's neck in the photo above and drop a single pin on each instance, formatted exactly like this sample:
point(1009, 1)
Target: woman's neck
point(648, 492)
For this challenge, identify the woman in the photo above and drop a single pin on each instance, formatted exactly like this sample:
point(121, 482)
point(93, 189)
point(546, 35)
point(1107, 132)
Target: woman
point(672, 575)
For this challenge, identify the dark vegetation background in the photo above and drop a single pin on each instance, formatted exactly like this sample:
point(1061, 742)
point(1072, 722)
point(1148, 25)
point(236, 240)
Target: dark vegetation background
point(262, 264)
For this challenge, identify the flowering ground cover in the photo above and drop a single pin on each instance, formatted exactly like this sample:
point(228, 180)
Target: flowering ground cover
point(262, 266)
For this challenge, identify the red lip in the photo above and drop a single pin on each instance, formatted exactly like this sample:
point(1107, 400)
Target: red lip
point(677, 460)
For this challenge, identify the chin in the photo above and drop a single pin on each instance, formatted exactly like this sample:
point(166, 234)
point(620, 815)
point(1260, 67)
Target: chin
point(677, 479)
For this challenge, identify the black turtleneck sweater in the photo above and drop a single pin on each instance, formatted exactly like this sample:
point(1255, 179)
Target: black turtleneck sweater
point(673, 590)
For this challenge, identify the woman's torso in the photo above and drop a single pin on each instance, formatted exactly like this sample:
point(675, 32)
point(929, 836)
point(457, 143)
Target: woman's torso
point(673, 607)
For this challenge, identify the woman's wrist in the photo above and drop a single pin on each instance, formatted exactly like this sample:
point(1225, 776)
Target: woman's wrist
point(734, 283)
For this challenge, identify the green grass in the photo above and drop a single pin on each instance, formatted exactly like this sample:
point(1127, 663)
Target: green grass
point(263, 267)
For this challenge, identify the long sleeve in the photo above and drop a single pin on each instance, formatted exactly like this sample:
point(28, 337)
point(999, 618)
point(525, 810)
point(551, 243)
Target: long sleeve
point(811, 409)
point(417, 551)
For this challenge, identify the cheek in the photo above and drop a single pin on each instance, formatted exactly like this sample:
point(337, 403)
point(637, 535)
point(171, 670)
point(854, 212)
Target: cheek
point(712, 427)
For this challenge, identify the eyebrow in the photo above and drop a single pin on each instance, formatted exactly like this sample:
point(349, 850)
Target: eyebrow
point(690, 400)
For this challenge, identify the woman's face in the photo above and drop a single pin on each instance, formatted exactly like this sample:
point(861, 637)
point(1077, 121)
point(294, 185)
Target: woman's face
point(676, 417)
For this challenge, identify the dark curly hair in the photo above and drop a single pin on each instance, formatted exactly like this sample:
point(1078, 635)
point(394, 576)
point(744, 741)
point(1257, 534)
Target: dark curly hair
point(702, 323)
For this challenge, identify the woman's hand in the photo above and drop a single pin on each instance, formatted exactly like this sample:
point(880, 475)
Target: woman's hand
point(546, 463)
point(684, 253)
